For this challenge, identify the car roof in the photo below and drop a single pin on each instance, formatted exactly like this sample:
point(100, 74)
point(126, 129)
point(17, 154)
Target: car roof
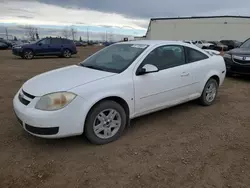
point(164, 42)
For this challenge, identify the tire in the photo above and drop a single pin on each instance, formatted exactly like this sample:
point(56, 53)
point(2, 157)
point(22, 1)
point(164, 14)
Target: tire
point(67, 53)
point(28, 54)
point(102, 135)
point(204, 99)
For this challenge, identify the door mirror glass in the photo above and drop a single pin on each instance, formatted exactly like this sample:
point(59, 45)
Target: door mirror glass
point(148, 68)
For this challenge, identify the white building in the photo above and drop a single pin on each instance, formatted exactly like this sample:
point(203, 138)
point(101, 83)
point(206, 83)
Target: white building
point(199, 28)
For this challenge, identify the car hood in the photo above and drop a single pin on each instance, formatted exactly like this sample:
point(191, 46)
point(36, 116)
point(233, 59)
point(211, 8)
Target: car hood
point(240, 51)
point(62, 79)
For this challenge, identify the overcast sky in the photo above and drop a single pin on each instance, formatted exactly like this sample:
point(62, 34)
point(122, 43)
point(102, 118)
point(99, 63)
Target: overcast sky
point(130, 16)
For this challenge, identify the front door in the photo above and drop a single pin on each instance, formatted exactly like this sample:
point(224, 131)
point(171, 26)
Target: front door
point(167, 87)
point(43, 47)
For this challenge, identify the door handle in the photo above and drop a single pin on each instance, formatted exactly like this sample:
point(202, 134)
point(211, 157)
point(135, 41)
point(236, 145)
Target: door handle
point(184, 74)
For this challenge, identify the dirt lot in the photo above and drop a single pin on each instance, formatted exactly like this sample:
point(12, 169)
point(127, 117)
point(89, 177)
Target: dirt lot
point(186, 146)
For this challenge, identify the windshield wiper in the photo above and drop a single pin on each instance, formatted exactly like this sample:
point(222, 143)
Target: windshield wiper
point(91, 67)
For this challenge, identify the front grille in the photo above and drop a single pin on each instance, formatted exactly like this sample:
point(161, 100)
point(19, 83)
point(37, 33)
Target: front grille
point(42, 131)
point(25, 98)
point(241, 61)
point(28, 95)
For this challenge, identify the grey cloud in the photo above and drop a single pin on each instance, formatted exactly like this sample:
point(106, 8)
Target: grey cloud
point(155, 8)
point(27, 17)
point(19, 32)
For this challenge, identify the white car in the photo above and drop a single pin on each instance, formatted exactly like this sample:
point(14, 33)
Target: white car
point(99, 96)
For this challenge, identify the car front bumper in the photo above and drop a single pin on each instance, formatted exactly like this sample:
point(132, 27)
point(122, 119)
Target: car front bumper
point(17, 51)
point(65, 122)
point(236, 68)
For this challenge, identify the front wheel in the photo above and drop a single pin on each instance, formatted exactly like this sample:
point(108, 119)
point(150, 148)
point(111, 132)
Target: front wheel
point(28, 54)
point(105, 123)
point(209, 92)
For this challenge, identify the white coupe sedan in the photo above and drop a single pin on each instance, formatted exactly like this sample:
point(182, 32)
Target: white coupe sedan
point(99, 96)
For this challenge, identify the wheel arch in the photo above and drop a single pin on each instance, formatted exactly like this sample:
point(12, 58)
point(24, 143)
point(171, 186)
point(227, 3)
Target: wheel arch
point(217, 79)
point(66, 49)
point(25, 49)
point(117, 99)
point(214, 75)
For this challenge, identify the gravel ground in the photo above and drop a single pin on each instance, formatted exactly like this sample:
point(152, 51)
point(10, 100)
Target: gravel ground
point(187, 146)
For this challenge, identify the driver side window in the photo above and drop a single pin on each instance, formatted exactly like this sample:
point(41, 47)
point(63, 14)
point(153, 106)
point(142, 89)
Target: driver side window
point(165, 57)
point(45, 41)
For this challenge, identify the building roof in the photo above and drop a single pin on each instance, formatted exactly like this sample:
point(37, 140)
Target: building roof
point(199, 17)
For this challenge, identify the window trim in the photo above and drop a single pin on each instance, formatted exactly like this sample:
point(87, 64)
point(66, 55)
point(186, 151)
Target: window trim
point(45, 39)
point(183, 47)
point(186, 54)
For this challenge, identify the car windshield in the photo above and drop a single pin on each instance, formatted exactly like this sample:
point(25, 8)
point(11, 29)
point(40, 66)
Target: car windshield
point(246, 44)
point(115, 58)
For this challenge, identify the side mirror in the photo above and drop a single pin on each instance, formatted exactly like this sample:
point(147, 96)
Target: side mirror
point(40, 44)
point(148, 68)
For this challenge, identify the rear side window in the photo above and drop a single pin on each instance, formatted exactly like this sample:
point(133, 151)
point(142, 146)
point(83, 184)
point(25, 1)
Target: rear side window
point(56, 41)
point(66, 41)
point(193, 55)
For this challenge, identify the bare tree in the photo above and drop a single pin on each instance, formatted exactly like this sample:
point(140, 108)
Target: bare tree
point(30, 32)
point(66, 32)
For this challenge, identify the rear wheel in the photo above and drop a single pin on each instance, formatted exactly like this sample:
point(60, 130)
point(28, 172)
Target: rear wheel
point(28, 54)
point(105, 123)
point(67, 53)
point(209, 92)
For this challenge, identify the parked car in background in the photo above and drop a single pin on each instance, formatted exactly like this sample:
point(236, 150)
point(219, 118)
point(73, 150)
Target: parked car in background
point(200, 44)
point(78, 43)
point(204, 44)
point(8, 43)
point(212, 52)
point(231, 43)
point(18, 42)
point(238, 59)
point(3, 46)
point(219, 46)
point(189, 42)
point(46, 47)
point(99, 96)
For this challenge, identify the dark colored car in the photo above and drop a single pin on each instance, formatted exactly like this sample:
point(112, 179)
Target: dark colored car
point(231, 43)
point(46, 47)
point(219, 46)
point(3, 46)
point(78, 43)
point(8, 43)
point(238, 60)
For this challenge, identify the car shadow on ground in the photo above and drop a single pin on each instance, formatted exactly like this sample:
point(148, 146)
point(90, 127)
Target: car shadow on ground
point(135, 126)
point(46, 57)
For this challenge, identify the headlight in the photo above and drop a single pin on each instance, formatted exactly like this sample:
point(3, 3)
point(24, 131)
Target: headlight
point(18, 47)
point(55, 101)
point(227, 56)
